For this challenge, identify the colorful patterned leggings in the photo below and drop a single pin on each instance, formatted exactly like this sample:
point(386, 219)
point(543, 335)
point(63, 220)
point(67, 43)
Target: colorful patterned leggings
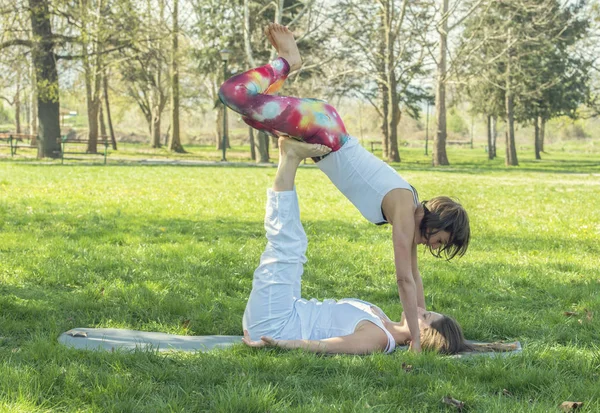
point(311, 120)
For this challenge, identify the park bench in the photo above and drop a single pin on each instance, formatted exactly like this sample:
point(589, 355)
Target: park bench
point(66, 140)
point(12, 141)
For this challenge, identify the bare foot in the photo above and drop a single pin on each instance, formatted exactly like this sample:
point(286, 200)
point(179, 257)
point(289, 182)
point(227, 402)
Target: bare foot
point(292, 148)
point(270, 36)
point(283, 41)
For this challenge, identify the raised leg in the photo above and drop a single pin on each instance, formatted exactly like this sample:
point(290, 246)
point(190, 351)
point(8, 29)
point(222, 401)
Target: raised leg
point(276, 282)
point(250, 94)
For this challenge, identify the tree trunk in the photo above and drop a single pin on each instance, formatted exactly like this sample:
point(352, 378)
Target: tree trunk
point(93, 71)
point(511, 150)
point(18, 104)
point(494, 136)
point(489, 137)
point(93, 112)
point(542, 133)
point(262, 144)
point(108, 117)
point(252, 144)
point(385, 142)
point(33, 115)
point(439, 145)
point(101, 121)
point(385, 97)
point(155, 127)
point(175, 144)
point(536, 127)
point(48, 103)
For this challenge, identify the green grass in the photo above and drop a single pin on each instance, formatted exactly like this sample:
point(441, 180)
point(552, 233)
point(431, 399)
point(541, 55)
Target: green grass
point(148, 247)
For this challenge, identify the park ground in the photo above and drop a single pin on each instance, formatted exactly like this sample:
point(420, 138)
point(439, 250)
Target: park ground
point(172, 248)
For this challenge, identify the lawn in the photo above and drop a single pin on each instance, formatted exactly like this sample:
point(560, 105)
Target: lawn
point(173, 248)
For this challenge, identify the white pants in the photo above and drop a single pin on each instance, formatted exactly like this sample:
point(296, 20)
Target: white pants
point(276, 285)
point(363, 178)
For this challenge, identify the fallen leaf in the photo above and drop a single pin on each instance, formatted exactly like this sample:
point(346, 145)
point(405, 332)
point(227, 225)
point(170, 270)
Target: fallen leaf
point(569, 406)
point(453, 402)
point(506, 393)
point(185, 324)
point(570, 313)
point(588, 314)
point(77, 333)
point(407, 367)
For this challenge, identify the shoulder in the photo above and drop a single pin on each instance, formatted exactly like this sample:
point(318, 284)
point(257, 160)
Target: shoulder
point(398, 205)
point(372, 332)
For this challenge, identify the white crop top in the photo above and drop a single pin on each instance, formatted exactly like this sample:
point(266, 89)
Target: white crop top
point(331, 318)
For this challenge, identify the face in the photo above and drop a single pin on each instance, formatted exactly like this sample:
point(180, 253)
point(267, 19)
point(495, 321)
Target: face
point(428, 317)
point(425, 317)
point(436, 240)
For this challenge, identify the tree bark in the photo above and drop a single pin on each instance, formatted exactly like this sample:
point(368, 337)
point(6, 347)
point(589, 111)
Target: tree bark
point(175, 144)
point(252, 144)
point(262, 144)
point(511, 150)
point(33, 115)
point(489, 137)
point(542, 133)
point(536, 128)
point(155, 127)
point(101, 122)
point(18, 103)
point(494, 136)
point(439, 145)
point(108, 117)
point(44, 60)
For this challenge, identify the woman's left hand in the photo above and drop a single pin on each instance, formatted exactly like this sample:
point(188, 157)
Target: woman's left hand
point(263, 342)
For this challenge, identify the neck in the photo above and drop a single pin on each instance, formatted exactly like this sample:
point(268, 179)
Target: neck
point(419, 214)
point(399, 331)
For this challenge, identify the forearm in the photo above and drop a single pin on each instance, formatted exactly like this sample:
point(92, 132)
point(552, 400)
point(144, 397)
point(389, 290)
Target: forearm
point(419, 290)
point(315, 346)
point(408, 298)
point(355, 343)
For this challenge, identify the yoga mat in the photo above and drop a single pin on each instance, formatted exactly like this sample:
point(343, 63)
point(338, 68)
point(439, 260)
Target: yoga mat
point(114, 338)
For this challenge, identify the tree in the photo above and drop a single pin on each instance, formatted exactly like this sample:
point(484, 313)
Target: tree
point(522, 58)
point(46, 78)
point(175, 141)
point(383, 47)
point(444, 28)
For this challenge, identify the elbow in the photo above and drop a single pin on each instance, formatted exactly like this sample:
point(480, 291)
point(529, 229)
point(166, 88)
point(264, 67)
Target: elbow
point(405, 282)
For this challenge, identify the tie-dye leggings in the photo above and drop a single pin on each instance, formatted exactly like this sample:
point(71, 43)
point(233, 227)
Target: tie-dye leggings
point(311, 120)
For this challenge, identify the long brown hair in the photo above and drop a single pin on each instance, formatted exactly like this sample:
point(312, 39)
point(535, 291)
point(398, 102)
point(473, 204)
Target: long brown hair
point(445, 214)
point(445, 336)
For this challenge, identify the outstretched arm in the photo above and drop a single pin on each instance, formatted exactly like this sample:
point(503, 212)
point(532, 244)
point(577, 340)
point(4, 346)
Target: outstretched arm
point(417, 277)
point(399, 209)
point(365, 341)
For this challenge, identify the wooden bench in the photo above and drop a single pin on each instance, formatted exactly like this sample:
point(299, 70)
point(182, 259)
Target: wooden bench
point(64, 140)
point(12, 141)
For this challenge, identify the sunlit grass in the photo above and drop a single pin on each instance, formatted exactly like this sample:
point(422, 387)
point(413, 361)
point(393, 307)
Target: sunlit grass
point(148, 247)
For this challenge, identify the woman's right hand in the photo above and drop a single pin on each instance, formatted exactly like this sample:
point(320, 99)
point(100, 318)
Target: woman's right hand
point(263, 342)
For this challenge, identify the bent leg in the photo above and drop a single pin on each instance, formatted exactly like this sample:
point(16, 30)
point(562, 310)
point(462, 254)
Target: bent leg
point(311, 120)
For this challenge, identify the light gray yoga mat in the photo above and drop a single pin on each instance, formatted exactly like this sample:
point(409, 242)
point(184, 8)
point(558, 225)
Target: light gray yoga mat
point(114, 338)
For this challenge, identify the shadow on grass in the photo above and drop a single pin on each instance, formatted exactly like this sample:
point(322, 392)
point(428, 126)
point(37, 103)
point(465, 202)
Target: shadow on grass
point(154, 274)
